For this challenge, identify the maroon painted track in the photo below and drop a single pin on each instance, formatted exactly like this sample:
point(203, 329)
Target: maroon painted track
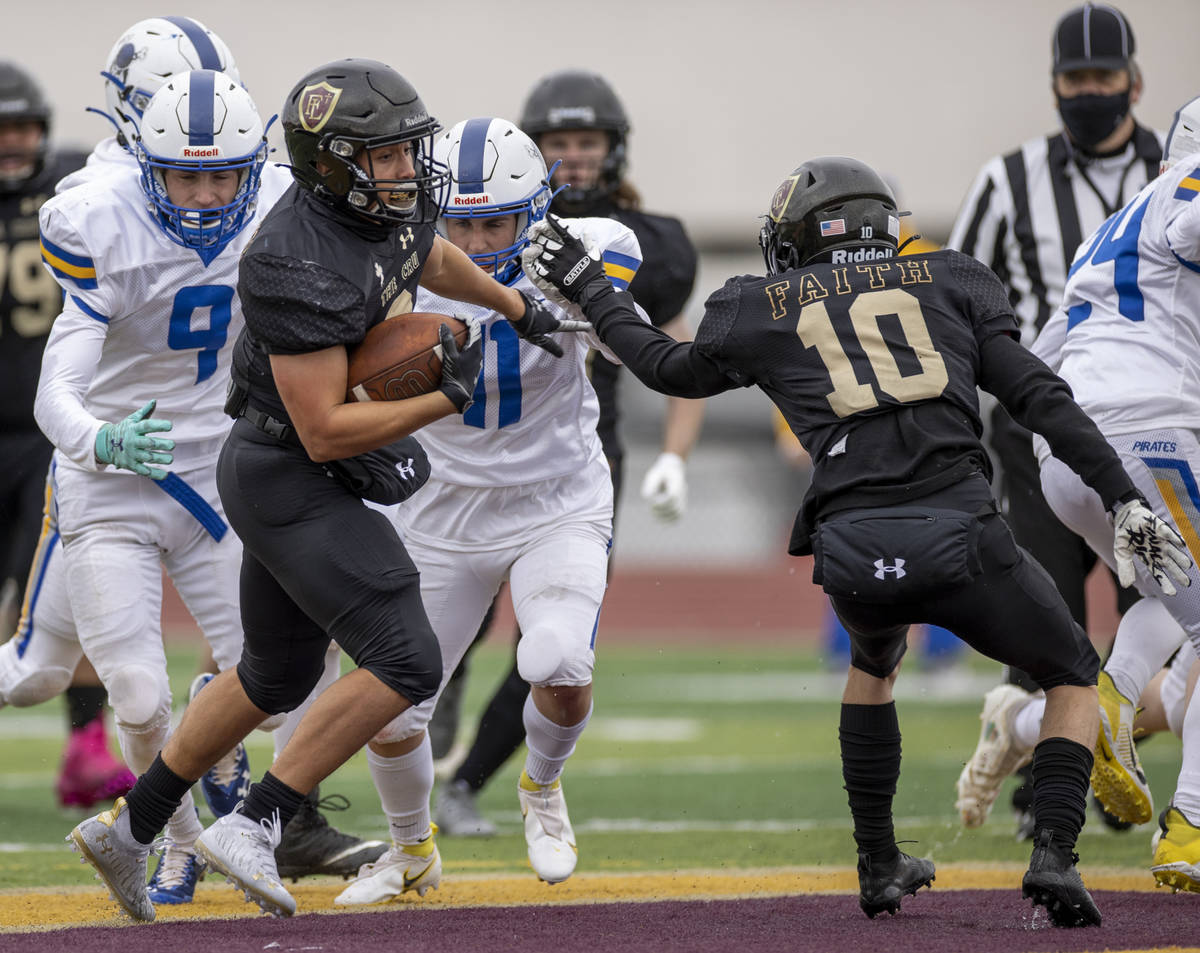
point(948, 921)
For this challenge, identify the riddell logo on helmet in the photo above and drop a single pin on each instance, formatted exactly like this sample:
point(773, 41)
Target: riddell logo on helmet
point(209, 152)
point(469, 200)
point(841, 256)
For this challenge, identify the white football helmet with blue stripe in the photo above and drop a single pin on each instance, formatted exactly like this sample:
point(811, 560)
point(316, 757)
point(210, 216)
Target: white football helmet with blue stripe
point(495, 169)
point(148, 54)
point(201, 121)
point(1184, 137)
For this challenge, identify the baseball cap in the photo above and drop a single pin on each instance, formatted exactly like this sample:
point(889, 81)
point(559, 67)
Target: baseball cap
point(1094, 36)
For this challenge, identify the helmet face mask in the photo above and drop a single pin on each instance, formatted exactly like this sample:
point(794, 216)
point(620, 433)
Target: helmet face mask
point(830, 209)
point(576, 99)
point(26, 113)
point(495, 170)
point(336, 118)
point(148, 54)
point(201, 122)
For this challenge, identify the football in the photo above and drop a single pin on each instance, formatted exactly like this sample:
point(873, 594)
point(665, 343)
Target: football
point(400, 357)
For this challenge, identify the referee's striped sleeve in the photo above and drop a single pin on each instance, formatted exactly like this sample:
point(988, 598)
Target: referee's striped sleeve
point(981, 222)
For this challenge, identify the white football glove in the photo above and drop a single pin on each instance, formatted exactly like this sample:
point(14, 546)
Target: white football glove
point(665, 487)
point(541, 238)
point(1138, 532)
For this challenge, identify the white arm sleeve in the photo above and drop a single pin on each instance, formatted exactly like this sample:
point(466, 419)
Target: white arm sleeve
point(68, 366)
point(1050, 340)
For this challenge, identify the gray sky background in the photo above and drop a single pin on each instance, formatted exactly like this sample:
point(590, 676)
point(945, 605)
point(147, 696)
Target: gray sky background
point(725, 98)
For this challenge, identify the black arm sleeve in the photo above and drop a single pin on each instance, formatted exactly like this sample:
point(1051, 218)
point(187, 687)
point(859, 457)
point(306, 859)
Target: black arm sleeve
point(660, 362)
point(1042, 402)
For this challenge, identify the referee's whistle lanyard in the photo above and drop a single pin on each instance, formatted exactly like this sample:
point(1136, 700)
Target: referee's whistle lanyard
point(1109, 207)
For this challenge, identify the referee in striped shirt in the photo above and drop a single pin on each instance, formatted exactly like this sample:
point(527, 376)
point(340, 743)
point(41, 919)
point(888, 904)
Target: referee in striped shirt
point(1025, 216)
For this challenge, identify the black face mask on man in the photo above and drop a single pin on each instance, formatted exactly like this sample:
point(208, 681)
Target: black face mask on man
point(1091, 119)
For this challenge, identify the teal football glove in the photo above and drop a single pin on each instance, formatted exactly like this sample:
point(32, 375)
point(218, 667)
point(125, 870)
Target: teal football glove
point(128, 446)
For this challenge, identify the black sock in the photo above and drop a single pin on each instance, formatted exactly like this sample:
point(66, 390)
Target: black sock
point(270, 795)
point(870, 740)
point(1061, 769)
point(84, 703)
point(501, 731)
point(153, 800)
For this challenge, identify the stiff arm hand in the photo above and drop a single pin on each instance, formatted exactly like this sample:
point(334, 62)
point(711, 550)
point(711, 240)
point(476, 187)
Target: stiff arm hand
point(1138, 532)
point(561, 265)
point(129, 446)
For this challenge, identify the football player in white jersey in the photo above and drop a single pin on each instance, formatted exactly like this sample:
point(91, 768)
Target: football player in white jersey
point(141, 60)
point(520, 491)
point(147, 258)
point(144, 57)
point(1127, 340)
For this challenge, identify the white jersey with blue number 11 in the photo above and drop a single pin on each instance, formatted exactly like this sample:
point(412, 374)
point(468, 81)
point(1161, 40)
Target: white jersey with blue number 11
point(169, 321)
point(534, 415)
point(1127, 338)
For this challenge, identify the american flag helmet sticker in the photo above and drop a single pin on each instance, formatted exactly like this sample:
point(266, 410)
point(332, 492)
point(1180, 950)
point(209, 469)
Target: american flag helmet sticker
point(833, 226)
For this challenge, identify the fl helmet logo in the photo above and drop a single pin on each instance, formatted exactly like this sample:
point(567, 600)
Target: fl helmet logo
point(316, 105)
point(783, 195)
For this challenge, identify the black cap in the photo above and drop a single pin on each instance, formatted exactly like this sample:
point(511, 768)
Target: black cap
point(1094, 36)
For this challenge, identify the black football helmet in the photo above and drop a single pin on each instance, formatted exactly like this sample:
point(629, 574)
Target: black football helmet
point(342, 109)
point(577, 99)
point(21, 100)
point(830, 209)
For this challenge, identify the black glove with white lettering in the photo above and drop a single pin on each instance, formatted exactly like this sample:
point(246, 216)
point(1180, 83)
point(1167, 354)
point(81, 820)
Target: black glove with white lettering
point(557, 258)
point(460, 368)
point(538, 321)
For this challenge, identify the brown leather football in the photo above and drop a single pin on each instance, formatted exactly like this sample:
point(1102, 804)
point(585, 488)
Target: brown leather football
point(397, 358)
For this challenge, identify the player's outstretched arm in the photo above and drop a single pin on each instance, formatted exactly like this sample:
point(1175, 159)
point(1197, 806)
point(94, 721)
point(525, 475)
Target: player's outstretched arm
point(557, 259)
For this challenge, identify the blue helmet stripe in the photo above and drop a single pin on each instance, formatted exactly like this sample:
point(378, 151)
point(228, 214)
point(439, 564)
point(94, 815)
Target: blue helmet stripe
point(200, 40)
point(470, 155)
point(200, 108)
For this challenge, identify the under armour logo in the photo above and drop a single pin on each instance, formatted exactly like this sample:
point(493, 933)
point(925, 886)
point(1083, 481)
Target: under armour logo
point(405, 237)
point(882, 569)
point(379, 273)
point(407, 470)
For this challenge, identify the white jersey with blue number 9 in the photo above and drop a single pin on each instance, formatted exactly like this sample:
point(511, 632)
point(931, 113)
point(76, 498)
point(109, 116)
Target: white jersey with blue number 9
point(1127, 338)
point(168, 320)
point(534, 415)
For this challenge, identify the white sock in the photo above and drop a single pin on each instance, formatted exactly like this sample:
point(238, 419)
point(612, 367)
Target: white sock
point(1027, 723)
point(1187, 789)
point(1145, 640)
point(404, 785)
point(333, 670)
point(549, 745)
point(184, 826)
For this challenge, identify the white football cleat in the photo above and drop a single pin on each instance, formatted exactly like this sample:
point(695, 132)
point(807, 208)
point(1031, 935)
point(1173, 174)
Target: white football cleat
point(403, 868)
point(552, 850)
point(244, 852)
point(997, 755)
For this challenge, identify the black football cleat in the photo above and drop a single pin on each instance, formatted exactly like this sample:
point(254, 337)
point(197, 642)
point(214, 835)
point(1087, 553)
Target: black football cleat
point(311, 845)
point(881, 886)
point(1053, 882)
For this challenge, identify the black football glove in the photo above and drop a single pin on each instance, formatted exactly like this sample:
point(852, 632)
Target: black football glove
point(556, 258)
point(460, 368)
point(538, 321)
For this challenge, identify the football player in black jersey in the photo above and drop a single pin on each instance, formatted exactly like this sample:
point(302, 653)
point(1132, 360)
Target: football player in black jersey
point(30, 300)
point(578, 121)
point(341, 251)
point(874, 361)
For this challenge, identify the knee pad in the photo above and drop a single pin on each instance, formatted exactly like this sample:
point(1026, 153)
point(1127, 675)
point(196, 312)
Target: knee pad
point(274, 722)
point(33, 688)
point(540, 655)
point(409, 723)
point(140, 698)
